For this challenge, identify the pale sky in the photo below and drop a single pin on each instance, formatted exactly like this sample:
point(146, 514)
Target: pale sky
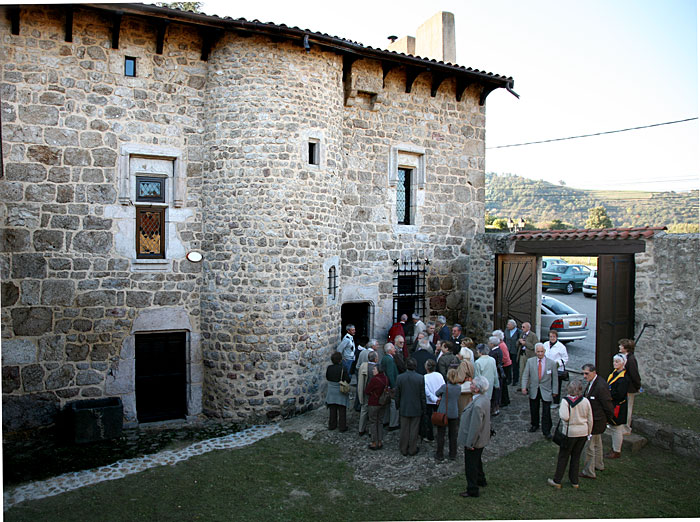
point(580, 68)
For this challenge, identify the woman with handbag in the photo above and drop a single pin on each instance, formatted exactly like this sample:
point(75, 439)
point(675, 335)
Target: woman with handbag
point(556, 351)
point(619, 385)
point(432, 381)
point(449, 394)
point(378, 399)
point(337, 400)
point(577, 415)
point(465, 374)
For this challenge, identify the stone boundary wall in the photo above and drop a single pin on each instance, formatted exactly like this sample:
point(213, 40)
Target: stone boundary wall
point(667, 295)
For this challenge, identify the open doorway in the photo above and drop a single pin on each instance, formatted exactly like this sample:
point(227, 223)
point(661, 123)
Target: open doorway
point(359, 314)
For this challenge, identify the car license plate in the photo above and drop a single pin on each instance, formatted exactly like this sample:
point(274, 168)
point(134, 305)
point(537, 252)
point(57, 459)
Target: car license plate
point(574, 323)
point(544, 283)
point(594, 287)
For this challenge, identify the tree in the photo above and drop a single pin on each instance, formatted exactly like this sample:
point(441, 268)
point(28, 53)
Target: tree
point(558, 224)
point(501, 223)
point(488, 219)
point(683, 228)
point(183, 6)
point(598, 218)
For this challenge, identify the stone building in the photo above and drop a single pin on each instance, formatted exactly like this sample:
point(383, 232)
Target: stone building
point(193, 206)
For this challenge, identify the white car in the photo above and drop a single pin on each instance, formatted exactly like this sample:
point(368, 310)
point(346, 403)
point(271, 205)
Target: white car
point(590, 285)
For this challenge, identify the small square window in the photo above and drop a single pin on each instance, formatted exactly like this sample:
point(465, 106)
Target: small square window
point(129, 66)
point(313, 152)
point(150, 189)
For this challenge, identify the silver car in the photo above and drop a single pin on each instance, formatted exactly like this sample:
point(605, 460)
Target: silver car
point(569, 324)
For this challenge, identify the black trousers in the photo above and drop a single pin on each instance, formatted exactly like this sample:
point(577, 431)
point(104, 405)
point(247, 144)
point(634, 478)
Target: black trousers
point(452, 428)
point(474, 469)
point(569, 453)
point(514, 368)
point(546, 413)
point(505, 398)
point(336, 417)
point(426, 426)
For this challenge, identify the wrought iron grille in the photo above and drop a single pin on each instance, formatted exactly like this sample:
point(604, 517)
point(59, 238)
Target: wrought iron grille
point(403, 197)
point(332, 282)
point(150, 225)
point(409, 287)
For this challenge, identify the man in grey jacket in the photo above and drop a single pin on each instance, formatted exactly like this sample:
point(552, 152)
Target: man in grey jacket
point(410, 401)
point(474, 434)
point(539, 383)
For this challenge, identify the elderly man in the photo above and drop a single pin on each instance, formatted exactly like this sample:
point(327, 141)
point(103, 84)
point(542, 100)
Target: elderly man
point(391, 416)
point(410, 400)
point(364, 374)
point(418, 325)
point(447, 357)
point(422, 354)
point(555, 350)
point(511, 338)
point(347, 347)
point(539, 382)
point(442, 331)
point(430, 334)
point(457, 334)
point(527, 342)
point(474, 434)
point(486, 367)
point(400, 343)
point(598, 394)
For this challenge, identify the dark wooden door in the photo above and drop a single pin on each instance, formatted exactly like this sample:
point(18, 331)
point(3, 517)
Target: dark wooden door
point(615, 307)
point(516, 290)
point(358, 315)
point(161, 384)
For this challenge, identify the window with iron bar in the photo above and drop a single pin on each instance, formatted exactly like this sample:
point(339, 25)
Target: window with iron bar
point(403, 197)
point(332, 282)
point(150, 232)
point(409, 287)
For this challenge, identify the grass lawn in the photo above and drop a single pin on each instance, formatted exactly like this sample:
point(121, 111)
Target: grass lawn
point(666, 411)
point(287, 478)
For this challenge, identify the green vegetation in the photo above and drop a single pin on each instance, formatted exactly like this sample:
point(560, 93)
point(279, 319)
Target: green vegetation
point(598, 218)
point(666, 411)
point(287, 478)
point(183, 6)
point(557, 206)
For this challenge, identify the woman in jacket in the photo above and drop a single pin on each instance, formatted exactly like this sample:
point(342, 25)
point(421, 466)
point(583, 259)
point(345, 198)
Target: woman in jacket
point(374, 389)
point(336, 401)
point(635, 381)
point(507, 366)
point(465, 374)
point(449, 394)
point(577, 423)
point(619, 384)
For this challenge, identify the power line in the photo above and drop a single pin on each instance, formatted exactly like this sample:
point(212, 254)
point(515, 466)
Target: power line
point(590, 135)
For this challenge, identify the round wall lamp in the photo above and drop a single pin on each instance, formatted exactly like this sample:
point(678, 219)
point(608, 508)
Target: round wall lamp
point(194, 256)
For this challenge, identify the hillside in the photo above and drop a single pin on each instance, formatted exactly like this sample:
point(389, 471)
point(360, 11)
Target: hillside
point(538, 201)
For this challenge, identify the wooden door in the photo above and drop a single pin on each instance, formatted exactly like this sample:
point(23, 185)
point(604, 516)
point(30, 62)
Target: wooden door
point(615, 307)
point(516, 290)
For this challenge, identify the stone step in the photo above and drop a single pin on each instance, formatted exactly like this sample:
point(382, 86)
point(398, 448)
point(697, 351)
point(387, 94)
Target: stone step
point(631, 443)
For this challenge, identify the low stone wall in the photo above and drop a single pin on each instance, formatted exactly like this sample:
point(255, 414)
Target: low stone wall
point(685, 443)
point(667, 295)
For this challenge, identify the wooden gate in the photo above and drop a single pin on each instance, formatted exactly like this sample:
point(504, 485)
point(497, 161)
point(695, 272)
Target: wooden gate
point(615, 308)
point(516, 290)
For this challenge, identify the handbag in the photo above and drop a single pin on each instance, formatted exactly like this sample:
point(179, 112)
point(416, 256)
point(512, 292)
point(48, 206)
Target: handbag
point(558, 437)
point(440, 419)
point(344, 387)
point(386, 396)
point(562, 372)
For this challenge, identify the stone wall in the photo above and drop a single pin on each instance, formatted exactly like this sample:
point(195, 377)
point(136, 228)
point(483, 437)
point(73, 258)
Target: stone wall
point(667, 295)
point(69, 294)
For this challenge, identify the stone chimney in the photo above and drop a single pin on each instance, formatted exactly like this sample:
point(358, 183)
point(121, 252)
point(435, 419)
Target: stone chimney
point(435, 39)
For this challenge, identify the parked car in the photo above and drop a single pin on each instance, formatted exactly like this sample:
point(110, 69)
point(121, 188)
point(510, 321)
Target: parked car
point(569, 324)
point(565, 277)
point(551, 261)
point(590, 284)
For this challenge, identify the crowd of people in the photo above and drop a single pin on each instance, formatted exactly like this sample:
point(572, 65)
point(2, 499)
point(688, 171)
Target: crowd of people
point(444, 385)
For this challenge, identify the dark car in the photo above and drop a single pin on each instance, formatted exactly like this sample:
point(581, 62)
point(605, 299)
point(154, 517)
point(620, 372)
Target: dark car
point(565, 277)
point(569, 324)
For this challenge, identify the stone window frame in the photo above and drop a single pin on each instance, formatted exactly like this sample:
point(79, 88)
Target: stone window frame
point(317, 137)
point(174, 197)
point(412, 157)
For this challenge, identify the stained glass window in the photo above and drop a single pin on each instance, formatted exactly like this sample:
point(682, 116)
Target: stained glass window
point(150, 189)
point(150, 237)
point(403, 197)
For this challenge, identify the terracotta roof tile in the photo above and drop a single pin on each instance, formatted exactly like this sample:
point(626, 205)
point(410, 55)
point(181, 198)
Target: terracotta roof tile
point(587, 233)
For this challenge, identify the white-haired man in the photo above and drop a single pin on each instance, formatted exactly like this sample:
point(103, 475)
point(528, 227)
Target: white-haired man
point(474, 434)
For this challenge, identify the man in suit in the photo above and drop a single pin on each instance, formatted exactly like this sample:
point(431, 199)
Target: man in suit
point(527, 342)
point(423, 354)
point(391, 416)
point(539, 381)
point(511, 338)
point(474, 434)
point(398, 328)
point(410, 400)
point(442, 331)
point(364, 374)
point(457, 334)
point(598, 394)
point(447, 358)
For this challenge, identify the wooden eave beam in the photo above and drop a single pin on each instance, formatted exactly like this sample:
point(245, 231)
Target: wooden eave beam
point(13, 15)
point(462, 85)
point(116, 28)
point(485, 91)
point(411, 75)
point(581, 247)
point(438, 78)
point(161, 28)
point(68, 10)
point(387, 67)
point(348, 60)
point(209, 38)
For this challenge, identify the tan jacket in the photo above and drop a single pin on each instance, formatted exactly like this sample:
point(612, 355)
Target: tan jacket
point(578, 420)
